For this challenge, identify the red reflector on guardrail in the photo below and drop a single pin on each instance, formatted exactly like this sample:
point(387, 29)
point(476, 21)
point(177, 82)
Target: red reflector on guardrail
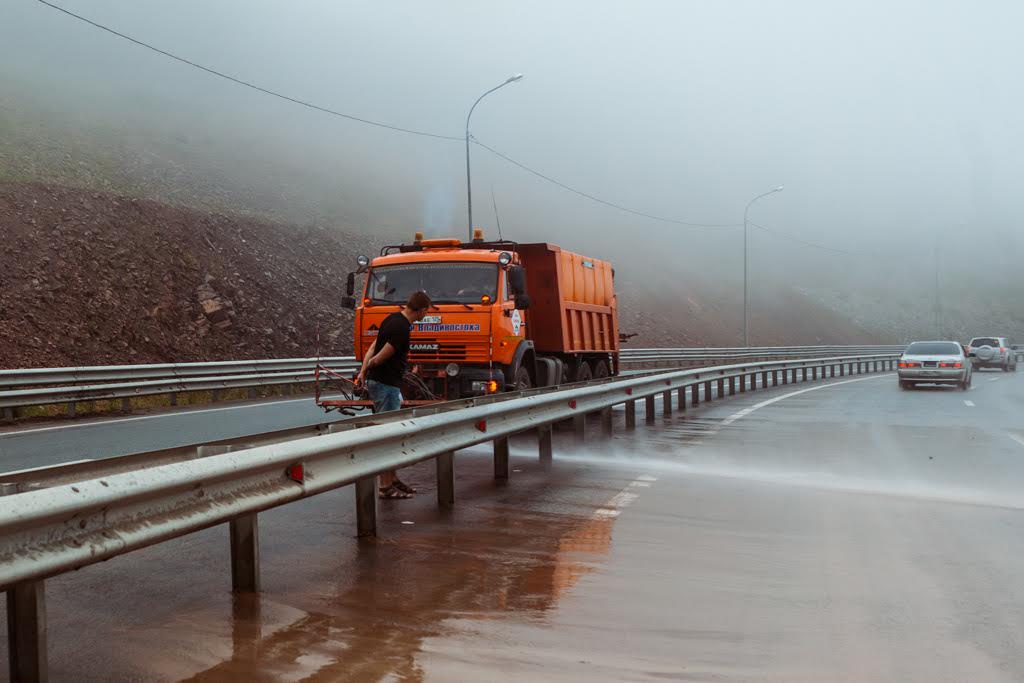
point(629, 392)
point(572, 404)
point(296, 472)
point(482, 425)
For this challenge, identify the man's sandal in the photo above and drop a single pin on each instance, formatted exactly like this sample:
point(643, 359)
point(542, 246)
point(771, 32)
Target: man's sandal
point(393, 492)
point(402, 486)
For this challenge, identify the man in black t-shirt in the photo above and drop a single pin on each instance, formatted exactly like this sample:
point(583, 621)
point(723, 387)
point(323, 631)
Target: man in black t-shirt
point(383, 370)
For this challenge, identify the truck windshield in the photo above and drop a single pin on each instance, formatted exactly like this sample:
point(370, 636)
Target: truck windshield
point(445, 282)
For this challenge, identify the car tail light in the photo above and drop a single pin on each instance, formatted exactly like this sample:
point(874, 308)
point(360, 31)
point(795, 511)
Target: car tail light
point(1002, 350)
point(906, 364)
point(951, 365)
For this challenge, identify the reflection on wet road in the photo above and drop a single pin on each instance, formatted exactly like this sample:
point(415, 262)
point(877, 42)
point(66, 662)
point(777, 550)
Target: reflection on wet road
point(852, 533)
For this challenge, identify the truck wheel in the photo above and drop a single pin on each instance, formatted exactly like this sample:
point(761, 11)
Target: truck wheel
point(601, 369)
point(523, 381)
point(583, 373)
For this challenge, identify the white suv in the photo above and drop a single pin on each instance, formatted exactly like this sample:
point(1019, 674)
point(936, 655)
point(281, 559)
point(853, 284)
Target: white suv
point(992, 352)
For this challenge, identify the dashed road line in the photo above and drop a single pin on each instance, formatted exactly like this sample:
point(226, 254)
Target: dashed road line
point(624, 498)
point(969, 404)
point(1018, 439)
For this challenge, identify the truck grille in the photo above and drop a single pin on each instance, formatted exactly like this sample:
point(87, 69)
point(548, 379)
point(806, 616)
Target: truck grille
point(435, 350)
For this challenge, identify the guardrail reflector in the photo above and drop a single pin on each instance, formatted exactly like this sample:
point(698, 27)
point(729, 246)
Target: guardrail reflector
point(296, 472)
point(482, 425)
point(572, 403)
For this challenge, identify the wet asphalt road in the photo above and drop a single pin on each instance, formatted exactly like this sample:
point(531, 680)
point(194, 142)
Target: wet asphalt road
point(850, 532)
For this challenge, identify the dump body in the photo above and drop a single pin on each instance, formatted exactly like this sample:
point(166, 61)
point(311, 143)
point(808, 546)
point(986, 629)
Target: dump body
point(573, 309)
point(482, 334)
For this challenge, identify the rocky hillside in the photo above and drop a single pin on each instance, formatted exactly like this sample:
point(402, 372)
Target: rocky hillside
point(94, 278)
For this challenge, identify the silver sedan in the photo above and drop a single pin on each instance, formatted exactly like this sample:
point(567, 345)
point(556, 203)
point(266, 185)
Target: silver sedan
point(934, 362)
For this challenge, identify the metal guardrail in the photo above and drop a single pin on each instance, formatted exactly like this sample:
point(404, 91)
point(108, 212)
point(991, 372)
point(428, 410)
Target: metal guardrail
point(72, 524)
point(48, 386)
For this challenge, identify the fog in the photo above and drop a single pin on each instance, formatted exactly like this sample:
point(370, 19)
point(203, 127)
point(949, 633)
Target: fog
point(895, 128)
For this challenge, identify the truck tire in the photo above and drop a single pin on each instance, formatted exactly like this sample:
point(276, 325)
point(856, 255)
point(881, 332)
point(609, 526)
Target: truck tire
point(583, 373)
point(601, 369)
point(522, 380)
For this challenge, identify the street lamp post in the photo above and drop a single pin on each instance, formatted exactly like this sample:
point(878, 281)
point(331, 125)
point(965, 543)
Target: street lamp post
point(469, 186)
point(746, 291)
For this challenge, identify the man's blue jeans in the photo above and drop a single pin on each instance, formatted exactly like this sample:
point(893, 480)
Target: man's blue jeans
point(384, 396)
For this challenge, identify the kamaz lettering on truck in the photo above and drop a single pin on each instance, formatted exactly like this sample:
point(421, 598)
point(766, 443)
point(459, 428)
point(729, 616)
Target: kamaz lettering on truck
point(506, 316)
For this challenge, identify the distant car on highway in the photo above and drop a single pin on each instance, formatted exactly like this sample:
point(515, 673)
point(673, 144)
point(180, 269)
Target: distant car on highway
point(992, 352)
point(934, 362)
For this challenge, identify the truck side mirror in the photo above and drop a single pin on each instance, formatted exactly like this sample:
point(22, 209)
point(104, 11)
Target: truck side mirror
point(523, 301)
point(350, 285)
point(517, 280)
point(348, 302)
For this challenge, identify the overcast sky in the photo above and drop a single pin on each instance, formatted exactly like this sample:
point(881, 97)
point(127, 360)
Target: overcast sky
point(893, 125)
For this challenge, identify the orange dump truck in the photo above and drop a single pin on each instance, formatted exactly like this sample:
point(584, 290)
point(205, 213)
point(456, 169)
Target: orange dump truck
point(506, 316)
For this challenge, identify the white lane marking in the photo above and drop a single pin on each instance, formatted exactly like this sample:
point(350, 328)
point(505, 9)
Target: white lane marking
point(994, 379)
point(147, 417)
point(747, 411)
point(46, 467)
point(624, 498)
point(1018, 439)
point(969, 404)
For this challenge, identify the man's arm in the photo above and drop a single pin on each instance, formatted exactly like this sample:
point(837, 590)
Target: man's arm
point(371, 361)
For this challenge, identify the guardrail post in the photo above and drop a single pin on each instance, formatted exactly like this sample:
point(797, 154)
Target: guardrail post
point(649, 412)
point(743, 384)
point(245, 553)
point(681, 392)
point(606, 421)
point(775, 378)
point(732, 386)
point(366, 506)
point(8, 414)
point(764, 379)
point(666, 403)
point(446, 478)
point(814, 373)
point(26, 631)
point(707, 391)
point(803, 374)
point(71, 409)
point(579, 426)
point(545, 449)
point(695, 395)
point(502, 467)
point(630, 414)
point(215, 395)
point(842, 369)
